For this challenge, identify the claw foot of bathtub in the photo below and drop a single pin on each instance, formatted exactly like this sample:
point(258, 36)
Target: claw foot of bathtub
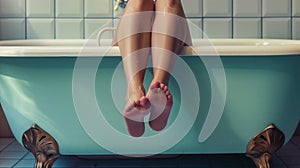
point(261, 148)
point(42, 146)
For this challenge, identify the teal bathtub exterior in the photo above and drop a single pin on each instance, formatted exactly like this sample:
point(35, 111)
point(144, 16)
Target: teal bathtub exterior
point(260, 90)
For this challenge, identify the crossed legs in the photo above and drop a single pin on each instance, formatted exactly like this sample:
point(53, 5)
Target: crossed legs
point(133, 38)
point(137, 35)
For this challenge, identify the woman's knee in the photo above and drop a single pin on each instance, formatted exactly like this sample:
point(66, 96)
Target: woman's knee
point(169, 3)
point(141, 5)
point(170, 6)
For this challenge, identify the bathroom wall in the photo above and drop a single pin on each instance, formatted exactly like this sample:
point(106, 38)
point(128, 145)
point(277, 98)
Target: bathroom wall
point(72, 19)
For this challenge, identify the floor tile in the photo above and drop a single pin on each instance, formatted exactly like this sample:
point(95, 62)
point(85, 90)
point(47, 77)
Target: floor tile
point(290, 160)
point(7, 162)
point(296, 141)
point(277, 162)
point(2, 147)
point(29, 156)
point(66, 162)
point(225, 161)
point(15, 147)
point(12, 155)
point(290, 149)
point(4, 142)
point(25, 164)
point(125, 163)
point(201, 161)
point(293, 166)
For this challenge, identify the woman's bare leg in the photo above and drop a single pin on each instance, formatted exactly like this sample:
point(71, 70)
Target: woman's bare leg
point(134, 43)
point(168, 40)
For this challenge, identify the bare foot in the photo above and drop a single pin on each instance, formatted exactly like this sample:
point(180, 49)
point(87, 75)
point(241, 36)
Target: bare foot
point(134, 114)
point(161, 104)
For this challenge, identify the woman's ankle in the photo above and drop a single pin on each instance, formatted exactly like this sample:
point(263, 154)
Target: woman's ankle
point(135, 92)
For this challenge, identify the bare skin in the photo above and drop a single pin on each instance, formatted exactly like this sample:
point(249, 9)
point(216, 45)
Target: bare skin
point(138, 106)
point(161, 105)
point(163, 61)
point(135, 50)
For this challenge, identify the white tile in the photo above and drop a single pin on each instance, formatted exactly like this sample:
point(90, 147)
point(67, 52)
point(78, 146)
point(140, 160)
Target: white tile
point(214, 8)
point(93, 26)
point(296, 35)
point(277, 8)
point(277, 28)
point(69, 8)
point(40, 8)
point(192, 8)
point(246, 8)
point(98, 8)
point(12, 29)
point(40, 28)
point(296, 7)
point(218, 28)
point(247, 28)
point(69, 28)
point(195, 26)
point(12, 8)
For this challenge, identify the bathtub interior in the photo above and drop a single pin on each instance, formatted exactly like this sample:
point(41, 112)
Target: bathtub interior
point(260, 91)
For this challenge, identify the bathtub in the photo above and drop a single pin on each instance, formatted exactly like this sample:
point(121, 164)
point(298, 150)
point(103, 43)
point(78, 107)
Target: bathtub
point(73, 90)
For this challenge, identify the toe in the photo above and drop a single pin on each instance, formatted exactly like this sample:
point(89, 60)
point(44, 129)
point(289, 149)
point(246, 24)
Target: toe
point(166, 88)
point(155, 85)
point(168, 92)
point(145, 102)
point(137, 103)
point(162, 86)
point(129, 107)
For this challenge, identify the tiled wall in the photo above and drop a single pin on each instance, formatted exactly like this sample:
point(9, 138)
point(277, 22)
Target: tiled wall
point(65, 19)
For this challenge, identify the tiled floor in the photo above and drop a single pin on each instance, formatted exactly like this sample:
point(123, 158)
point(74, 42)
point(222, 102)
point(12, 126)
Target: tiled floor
point(14, 155)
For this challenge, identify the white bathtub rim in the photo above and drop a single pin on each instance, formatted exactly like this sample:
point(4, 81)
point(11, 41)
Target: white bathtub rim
point(221, 47)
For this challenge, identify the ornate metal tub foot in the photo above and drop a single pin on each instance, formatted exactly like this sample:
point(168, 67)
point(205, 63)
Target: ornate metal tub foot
point(42, 146)
point(261, 148)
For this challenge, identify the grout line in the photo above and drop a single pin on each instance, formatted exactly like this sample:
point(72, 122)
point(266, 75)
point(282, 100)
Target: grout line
point(202, 17)
point(54, 17)
point(232, 19)
point(292, 141)
point(25, 17)
point(261, 20)
point(202, 20)
point(21, 159)
point(83, 20)
point(8, 145)
point(291, 24)
point(282, 161)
